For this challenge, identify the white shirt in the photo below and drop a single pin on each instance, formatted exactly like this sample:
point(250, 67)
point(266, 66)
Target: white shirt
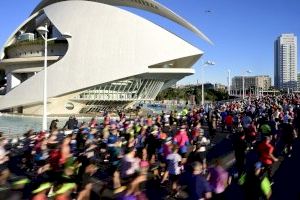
point(173, 163)
point(129, 166)
point(2, 155)
point(206, 141)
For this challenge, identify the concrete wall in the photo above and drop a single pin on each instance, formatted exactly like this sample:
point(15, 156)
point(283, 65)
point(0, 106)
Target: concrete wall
point(55, 106)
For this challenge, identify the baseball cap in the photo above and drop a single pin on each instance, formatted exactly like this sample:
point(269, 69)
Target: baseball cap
point(258, 165)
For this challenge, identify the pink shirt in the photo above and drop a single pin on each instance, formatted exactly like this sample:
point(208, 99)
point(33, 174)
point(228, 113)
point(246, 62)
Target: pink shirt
point(181, 138)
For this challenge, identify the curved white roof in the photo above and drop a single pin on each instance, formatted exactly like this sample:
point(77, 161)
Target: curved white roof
point(148, 5)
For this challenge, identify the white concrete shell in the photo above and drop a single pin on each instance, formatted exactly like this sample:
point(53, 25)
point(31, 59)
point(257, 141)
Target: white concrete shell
point(108, 44)
point(147, 5)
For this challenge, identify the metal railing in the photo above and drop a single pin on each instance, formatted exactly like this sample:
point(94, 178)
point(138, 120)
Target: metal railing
point(124, 90)
point(15, 132)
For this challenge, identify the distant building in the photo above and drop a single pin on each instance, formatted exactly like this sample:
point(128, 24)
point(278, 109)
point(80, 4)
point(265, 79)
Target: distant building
point(255, 83)
point(285, 62)
point(209, 86)
point(219, 86)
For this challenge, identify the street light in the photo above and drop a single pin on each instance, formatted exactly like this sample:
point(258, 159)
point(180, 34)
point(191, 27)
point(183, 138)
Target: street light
point(43, 31)
point(228, 81)
point(249, 72)
point(207, 63)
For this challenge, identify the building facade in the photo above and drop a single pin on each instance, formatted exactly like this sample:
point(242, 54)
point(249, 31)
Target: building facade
point(220, 87)
point(112, 59)
point(253, 84)
point(285, 62)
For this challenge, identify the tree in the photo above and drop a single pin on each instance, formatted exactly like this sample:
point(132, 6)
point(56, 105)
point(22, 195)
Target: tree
point(185, 93)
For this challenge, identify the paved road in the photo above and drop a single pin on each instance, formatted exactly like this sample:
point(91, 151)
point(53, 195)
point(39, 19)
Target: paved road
point(287, 177)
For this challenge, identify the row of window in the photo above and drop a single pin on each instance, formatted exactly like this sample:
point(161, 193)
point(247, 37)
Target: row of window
point(37, 52)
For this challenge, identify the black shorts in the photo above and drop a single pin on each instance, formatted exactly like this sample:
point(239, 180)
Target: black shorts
point(202, 156)
point(126, 180)
point(219, 196)
point(183, 154)
point(173, 177)
point(3, 167)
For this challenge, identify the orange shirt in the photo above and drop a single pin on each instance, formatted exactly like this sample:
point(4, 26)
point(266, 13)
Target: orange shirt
point(63, 197)
point(40, 196)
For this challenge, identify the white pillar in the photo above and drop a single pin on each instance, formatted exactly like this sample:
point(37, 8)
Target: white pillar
point(12, 81)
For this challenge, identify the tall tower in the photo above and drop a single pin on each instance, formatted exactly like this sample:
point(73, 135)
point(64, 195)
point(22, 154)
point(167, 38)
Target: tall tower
point(285, 62)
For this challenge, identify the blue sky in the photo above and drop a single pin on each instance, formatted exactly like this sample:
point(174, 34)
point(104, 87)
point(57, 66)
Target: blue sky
point(243, 31)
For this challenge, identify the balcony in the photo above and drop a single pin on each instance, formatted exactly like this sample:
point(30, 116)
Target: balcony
point(35, 48)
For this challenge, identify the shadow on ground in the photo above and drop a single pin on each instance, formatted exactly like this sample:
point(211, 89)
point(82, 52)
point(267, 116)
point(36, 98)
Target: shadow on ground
point(221, 149)
point(287, 177)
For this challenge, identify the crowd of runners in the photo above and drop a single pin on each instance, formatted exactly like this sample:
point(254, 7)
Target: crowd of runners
point(154, 157)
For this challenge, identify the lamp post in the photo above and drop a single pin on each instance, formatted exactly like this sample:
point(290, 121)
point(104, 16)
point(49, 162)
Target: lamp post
point(248, 71)
point(228, 81)
point(207, 63)
point(43, 31)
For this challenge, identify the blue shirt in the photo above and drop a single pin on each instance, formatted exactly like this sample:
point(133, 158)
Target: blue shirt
point(223, 115)
point(197, 186)
point(112, 139)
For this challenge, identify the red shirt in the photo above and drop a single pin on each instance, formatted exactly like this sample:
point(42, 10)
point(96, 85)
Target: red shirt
point(252, 131)
point(229, 120)
point(265, 150)
point(195, 132)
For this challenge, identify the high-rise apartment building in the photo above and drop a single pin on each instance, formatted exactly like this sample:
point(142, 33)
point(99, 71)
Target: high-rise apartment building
point(285, 62)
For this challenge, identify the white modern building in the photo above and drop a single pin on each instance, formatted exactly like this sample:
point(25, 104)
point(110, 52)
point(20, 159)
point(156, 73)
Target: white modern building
point(112, 59)
point(285, 63)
